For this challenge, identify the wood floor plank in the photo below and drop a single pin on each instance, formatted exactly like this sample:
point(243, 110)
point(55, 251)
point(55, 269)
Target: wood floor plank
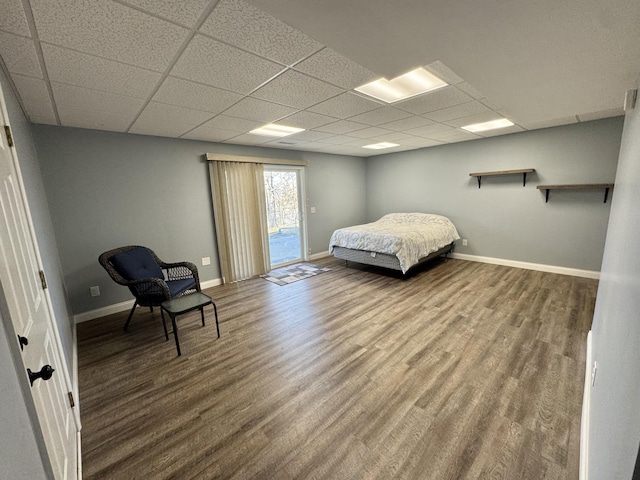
point(462, 370)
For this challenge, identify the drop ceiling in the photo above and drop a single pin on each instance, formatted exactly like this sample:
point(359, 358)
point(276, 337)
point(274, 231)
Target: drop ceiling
point(215, 70)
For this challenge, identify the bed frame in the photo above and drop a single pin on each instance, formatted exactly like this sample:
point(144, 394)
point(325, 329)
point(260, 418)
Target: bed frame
point(384, 260)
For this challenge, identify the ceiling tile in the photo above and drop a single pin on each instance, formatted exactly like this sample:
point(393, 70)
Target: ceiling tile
point(501, 131)
point(340, 127)
point(286, 142)
point(80, 98)
point(471, 119)
point(13, 18)
point(459, 111)
point(344, 106)
point(337, 140)
point(213, 63)
point(406, 124)
point(306, 120)
point(429, 130)
point(396, 136)
point(240, 24)
point(184, 93)
point(380, 115)
point(444, 73)
point(370, 132)
point(249, 139)
point(332, 67)
point(109, 29)
point(258, 110)
point(210, 134)
point(296, 90)
point(309, 136)
point(20, 55)
point(454, 136)
point(35, 98)
point(350, 151)
point(96, 120)
point(186, 12)
point(153, 118)
point(436, 100)
point(359, 142)
point(419, 142)
point(84, 70)
point(160, 128)
point(470, 90)
point(238, 125)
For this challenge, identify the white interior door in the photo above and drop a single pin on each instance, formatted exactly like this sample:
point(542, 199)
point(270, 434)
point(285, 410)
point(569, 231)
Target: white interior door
point(25, 300)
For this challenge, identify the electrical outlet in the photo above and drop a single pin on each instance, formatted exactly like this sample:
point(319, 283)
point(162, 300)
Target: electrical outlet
point(206, 260)
point(313, 209)
point(464, 242)
point(94, 291)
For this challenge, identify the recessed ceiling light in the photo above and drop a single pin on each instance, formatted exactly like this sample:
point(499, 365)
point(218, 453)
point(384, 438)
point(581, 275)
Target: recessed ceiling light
point(405, 86)
point(273, 130)
point(492, 125)
point(381, 145)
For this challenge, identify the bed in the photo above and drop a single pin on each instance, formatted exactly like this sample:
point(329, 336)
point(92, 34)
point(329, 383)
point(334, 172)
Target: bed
point(398, 241)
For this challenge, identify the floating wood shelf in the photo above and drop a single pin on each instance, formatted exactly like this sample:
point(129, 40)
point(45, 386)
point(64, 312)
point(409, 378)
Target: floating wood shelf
point(578, 186)
point(523, 171)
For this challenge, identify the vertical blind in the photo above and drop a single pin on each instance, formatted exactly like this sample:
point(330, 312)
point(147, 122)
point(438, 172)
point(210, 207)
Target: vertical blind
point(240, 213)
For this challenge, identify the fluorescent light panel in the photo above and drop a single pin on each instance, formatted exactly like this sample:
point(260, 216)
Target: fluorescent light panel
point(410, 84)
point(273, 130)
point(484, 126)
point(381, 145)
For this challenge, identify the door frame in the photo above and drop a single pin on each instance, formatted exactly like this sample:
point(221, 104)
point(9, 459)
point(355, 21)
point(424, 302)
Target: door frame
point(302, 210)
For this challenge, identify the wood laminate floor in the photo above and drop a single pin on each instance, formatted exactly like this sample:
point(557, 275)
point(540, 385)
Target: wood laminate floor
point(462, 371)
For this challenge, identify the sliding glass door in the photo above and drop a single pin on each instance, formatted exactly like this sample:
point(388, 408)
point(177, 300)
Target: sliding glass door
point(284, 191)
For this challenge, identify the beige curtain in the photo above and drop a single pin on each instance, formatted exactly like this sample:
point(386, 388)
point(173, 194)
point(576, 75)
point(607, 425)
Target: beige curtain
point(240, 211)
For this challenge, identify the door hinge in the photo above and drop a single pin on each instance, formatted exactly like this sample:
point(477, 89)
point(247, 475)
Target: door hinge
point(7, 131)
point(71, 401)
point(43, 280)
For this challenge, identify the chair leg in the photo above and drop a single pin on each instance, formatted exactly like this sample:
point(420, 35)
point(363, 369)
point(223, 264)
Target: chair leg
point(164, 325)
point(126, 325)
point(215, 311)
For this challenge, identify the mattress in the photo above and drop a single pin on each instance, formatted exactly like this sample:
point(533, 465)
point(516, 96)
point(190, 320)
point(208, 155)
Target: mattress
point(408, 236)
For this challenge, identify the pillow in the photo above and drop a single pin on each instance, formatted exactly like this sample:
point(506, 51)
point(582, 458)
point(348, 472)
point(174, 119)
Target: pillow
point(137, 264)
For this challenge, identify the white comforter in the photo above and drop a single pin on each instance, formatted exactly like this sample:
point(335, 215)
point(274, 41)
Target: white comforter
point(409, 236)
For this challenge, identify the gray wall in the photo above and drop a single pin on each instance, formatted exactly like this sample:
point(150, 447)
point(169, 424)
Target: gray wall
point(503, 219)
point(614, 421)
point(110, 189)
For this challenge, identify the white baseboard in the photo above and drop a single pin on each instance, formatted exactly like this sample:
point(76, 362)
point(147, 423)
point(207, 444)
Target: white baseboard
point(123, 306)
point(586, 403)
point(318, 256)
point(529, 266)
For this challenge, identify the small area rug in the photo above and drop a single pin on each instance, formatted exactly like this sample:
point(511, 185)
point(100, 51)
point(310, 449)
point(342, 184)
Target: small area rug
point(293, 273)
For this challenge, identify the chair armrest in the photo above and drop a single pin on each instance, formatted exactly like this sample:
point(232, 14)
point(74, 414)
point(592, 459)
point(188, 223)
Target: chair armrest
point(181, 270)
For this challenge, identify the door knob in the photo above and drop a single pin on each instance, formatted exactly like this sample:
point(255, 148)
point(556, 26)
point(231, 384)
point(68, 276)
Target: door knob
point(23, 341)
point(44, 373)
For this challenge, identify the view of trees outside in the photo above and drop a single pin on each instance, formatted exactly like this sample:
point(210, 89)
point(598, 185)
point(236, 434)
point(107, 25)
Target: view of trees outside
point(282, 200)
point(281, 191)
